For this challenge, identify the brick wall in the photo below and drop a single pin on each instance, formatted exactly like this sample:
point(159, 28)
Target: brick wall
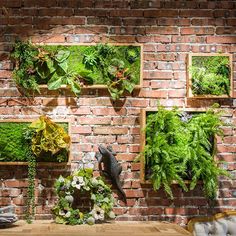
point(169, 30)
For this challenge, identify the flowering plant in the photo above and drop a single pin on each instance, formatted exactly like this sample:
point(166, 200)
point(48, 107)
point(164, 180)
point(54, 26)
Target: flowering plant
point(82, 182)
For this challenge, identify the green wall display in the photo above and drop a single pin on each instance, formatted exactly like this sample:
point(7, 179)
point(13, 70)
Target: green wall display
point(210, 75)
point(116, 66)
point(14, 148)
point(179, 147)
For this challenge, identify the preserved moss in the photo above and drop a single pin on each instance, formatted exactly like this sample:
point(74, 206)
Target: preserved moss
point(14, 148)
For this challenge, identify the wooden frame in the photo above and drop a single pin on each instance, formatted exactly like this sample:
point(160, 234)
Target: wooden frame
point(143, 114)
point(207, 219)
point(189, 78)
point(24, 163)
point(100, 86)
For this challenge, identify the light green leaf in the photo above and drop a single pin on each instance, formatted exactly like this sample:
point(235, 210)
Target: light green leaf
point(55, 83)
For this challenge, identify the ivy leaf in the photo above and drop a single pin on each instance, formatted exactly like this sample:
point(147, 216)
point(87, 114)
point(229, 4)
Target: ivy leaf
point(55, 83)
point(64, 66)
point(62, 55)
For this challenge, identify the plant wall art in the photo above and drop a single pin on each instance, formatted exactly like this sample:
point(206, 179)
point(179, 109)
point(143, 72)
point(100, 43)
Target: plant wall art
point(181, 146)
point(76, 66)
point(210, 75)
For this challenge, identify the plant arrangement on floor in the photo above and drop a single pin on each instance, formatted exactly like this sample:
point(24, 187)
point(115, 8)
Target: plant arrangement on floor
point(210, 75)
point(118, 67)
point(82, 183)
point(180, 146)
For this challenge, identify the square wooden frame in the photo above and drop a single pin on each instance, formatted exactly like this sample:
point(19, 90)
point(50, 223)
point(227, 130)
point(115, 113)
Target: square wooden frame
point(101, 86)
point(143, 115)
point(189, 77)
point(24, 163)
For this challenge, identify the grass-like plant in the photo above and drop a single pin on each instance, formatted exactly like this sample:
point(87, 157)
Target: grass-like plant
point(210, 75)
point(180, 147)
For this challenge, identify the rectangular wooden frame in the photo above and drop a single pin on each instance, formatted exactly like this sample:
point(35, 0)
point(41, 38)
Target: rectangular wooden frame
point(189, 78)
point(143, 114)
point(100, 86)
point(24, 163)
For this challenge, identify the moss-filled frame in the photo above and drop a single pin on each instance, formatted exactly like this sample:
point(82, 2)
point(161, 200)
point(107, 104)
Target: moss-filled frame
point(143, 119)
point(189, 64)
point(24, 123)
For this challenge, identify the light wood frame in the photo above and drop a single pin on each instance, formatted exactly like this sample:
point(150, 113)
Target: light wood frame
point(101, 86)
point(209, 218)
point(189, 77)
point(143, 114)
point(24, 163)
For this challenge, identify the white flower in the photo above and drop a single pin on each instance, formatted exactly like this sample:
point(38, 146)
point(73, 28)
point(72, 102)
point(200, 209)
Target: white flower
point(77, 182)
point(66, 213)
point(61, 179)
point(112, 215)
point(97, 213)
point(91, 221)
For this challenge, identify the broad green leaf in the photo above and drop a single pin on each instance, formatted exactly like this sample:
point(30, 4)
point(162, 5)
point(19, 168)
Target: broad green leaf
point(75, 86)
point(128, 85)
point(62, 55)
point(55, 83)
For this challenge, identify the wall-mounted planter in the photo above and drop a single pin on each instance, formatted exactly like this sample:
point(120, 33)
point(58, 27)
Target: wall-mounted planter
point(116, 67)
point(11, 131)
point(209, 75)
point(144, 178)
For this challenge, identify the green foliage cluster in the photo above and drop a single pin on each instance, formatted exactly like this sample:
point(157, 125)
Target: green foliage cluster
point(118, 67)
point(180, 146)
point(210, 75)
point(67, 212)
point(36, 66)
point(49, 139)
point(14, 146)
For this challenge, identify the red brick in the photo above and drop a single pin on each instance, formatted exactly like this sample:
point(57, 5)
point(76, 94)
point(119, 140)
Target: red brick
point(162, 30)
point(161, 13)
point(81, 129)
point(16, 183)
point(110, 130)
point(135, 193)
point(197, 30)
point(221, 39)
point(108, 111)
point(148, 39)
point(123, 13)
point(158, 75)
point(225, 30)
point(196, 13)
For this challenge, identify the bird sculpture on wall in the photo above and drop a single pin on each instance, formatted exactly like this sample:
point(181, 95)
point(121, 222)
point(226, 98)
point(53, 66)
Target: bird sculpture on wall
point(111, 167)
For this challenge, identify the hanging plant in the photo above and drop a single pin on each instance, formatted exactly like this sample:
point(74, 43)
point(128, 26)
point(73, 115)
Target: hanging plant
point(180, 146)
point(79, 183)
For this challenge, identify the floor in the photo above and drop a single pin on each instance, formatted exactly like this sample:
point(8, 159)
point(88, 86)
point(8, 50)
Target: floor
point(47, 228)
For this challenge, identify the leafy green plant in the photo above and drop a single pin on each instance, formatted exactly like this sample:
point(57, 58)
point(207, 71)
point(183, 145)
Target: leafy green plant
point(49, 138)
point(35, 66)
point(80, 183)
point(180, 146)
point(118, 67)
point(210, 75)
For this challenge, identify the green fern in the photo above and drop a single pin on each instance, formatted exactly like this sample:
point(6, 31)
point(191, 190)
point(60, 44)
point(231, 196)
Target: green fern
point(181, 146)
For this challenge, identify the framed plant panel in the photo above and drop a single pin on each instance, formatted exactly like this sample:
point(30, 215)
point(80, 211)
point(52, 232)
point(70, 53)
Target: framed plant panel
point(49, 141)
point(210, 75)
point(117, 67)
point(179, 146)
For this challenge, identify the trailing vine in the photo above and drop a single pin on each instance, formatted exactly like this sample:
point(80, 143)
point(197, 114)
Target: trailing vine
point(30, 205)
